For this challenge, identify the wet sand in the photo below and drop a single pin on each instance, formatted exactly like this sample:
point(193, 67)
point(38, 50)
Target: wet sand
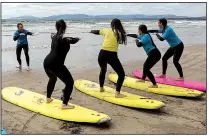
point(180, 116)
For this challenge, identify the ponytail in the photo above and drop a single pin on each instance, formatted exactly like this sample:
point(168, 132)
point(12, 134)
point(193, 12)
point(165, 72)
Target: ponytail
point(143, 28)
point(119, 31)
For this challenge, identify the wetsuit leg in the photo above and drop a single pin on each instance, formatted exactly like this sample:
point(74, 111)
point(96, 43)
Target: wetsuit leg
point(169, 53)
point(65, 76)
point(153, 57)
point(25, 48)
point(51, 83)
point(103, 65)
point(177, 55)
point(18, 53)
point(118, 68)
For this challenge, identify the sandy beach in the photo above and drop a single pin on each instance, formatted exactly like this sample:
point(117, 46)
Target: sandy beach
point(180, 116)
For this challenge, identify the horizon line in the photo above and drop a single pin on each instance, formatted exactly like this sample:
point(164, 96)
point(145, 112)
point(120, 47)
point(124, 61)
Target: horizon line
point(102, 15)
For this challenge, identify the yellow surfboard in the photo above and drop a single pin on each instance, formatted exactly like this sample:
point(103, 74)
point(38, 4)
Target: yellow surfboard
point(93, 89)
point(162, 89)
point(37, 103)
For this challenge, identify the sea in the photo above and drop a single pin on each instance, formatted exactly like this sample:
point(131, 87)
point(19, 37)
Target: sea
point(84, 54)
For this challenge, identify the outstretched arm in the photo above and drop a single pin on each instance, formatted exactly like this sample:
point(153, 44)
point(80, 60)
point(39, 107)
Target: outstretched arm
point(132, 35)
point(159, 37)
point(29, 33)
point(155, 31)
point(95, 32)
point(71, 40)
point(152, 31)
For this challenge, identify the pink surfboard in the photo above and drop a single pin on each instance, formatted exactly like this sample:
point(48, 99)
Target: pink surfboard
point(196, 85)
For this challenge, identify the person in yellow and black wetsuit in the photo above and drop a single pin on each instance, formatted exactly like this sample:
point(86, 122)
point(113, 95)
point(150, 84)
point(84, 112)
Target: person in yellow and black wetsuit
point(108, 54)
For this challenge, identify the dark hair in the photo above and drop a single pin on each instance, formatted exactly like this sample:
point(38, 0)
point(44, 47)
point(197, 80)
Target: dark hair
point(61, 27)
point(143, 28)
point(118, 29)
point(19, 25)
point(163, 21)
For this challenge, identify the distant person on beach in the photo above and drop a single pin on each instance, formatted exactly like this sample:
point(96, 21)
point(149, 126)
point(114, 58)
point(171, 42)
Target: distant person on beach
point(175, 50)
point(54, 64)
point(145, 40)
point(22, 43)
point(108, 54)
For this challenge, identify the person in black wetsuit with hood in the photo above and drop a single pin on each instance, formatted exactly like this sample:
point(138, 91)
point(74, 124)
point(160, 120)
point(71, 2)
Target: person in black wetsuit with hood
point(54, 64)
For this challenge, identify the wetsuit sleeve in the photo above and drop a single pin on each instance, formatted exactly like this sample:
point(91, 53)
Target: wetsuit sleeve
point(16, 36)
point(155, 31)
point(159, 37)
point(139, 44)
point(71, 40)
point(95, 32)
point(29, 33)
point(132, 35)
point(152, 31)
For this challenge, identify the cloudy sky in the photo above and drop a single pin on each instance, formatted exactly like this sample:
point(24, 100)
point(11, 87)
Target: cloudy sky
point(48, 9)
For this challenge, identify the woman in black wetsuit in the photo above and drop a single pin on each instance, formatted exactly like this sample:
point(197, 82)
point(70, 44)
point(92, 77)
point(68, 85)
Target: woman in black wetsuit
point(54, 64)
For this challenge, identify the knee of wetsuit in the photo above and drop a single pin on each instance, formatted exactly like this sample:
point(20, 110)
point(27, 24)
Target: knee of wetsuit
point(164, 58)
point(144, 66)
point(72, 81)
point(145, 70)
point(175, 61)
point(103, 70)
point(54, 79)
point(122, 75)
point(26, 54)
point(159, 56)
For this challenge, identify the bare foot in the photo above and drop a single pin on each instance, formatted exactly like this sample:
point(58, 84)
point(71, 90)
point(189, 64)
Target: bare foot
point(66, 107)
point(102, 89)
point(180, 78)
point(119, 95)
point(49, 100)
point(28, 69)
point(140, 80)
point(153, 86)
point(20, 67)
point(161, 76)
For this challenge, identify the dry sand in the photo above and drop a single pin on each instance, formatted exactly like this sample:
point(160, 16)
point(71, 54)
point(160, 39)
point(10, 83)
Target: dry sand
point(180, 116)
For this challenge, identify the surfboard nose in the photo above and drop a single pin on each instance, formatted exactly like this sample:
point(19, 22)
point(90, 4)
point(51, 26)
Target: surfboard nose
point(104, 120)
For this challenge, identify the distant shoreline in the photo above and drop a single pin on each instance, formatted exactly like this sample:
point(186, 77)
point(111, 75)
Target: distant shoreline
point(95, 20)
point(106, 17)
